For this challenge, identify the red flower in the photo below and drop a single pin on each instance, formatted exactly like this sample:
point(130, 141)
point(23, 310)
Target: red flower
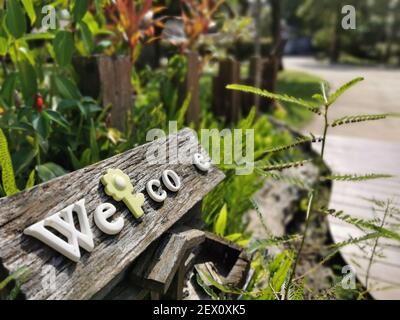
point(39, 103)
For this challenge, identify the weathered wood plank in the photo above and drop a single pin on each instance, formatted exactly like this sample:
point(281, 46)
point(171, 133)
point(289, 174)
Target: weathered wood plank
point(160, 265)
point(52, 276)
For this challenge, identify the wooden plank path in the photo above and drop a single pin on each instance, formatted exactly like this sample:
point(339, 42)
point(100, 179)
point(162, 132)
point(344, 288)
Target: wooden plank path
point(347, 155)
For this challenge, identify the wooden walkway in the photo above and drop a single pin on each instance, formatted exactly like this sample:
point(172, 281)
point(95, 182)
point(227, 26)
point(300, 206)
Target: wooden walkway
point(347, 155)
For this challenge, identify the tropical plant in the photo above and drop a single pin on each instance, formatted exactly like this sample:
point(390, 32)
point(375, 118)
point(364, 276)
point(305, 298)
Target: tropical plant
point(289, 284)
point(131, 24)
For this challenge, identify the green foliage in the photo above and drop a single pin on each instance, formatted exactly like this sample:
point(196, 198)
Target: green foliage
point(355, 178)
point(278, 97)
point(15, 19)
point(79, 10)
point(220, 223)
point(361, 223)
point(30, 10)
point(358, 118)
point(296, 143)
point(332, 99)
point(64, 47)
point(272, 242)
point(301, 85)
point(7, 172)
point(279, 166)
point(19, 277)
point(49, 171)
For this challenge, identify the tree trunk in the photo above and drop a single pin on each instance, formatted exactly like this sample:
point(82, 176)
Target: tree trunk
point(335, 46)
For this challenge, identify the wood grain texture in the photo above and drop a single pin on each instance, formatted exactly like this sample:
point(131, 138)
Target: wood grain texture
point(52, 276)
point(163, 262)
point(116, 87)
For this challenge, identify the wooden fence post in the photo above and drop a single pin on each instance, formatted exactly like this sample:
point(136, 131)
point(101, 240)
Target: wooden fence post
point(226, 103)
point(115, 77)
point(108, 78)
point(192, 87)
point(269, 78)
point(254, 79)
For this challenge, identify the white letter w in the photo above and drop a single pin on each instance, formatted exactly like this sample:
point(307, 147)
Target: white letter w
point(63, 222)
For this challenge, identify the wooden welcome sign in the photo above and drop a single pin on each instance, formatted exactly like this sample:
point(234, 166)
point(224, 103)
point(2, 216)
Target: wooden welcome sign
point(103, 248)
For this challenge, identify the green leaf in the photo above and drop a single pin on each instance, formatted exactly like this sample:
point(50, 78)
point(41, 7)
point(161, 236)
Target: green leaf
point(360, 223)
point(13, 276)
point(279, 166)
point(183, 110)
point(356, 178)
point(38, 36)
point(319, 98)
point(63, 47)
point(299, 141)
point(273, 241)
point(49, 171)
point(343, 89)
point(66, 88)
point(85, 157)
point(74, 160)
point(31, 180)
point(282, 271)
point(57, 118)
point(3, 46)
point(28, 81)
point(23, 158)
point(233, 237)
point(220, 223)
point(41, 125)
point(7, 171)
point(94, 148)
point(7, 91)
point(30, 10)
point(274, 96)
point(359, 118)
point(80, 7)
point(15, 19)
point(87, 37)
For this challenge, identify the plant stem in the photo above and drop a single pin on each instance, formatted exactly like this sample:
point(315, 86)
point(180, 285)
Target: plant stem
point(326, 125)
point(371, 259)
point(296, 261)
point(311, 197)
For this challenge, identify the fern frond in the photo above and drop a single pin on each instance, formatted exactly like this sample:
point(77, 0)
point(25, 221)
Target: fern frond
point(7, 171)
point(290, 179)
point(350, 241)
point(296, 143)
point(279, 166)
point(359, 118)
point(275, 96)
point(360, 223)
point(356, 178)
point(273, 241)
point(296, 291)
point(342, 90)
